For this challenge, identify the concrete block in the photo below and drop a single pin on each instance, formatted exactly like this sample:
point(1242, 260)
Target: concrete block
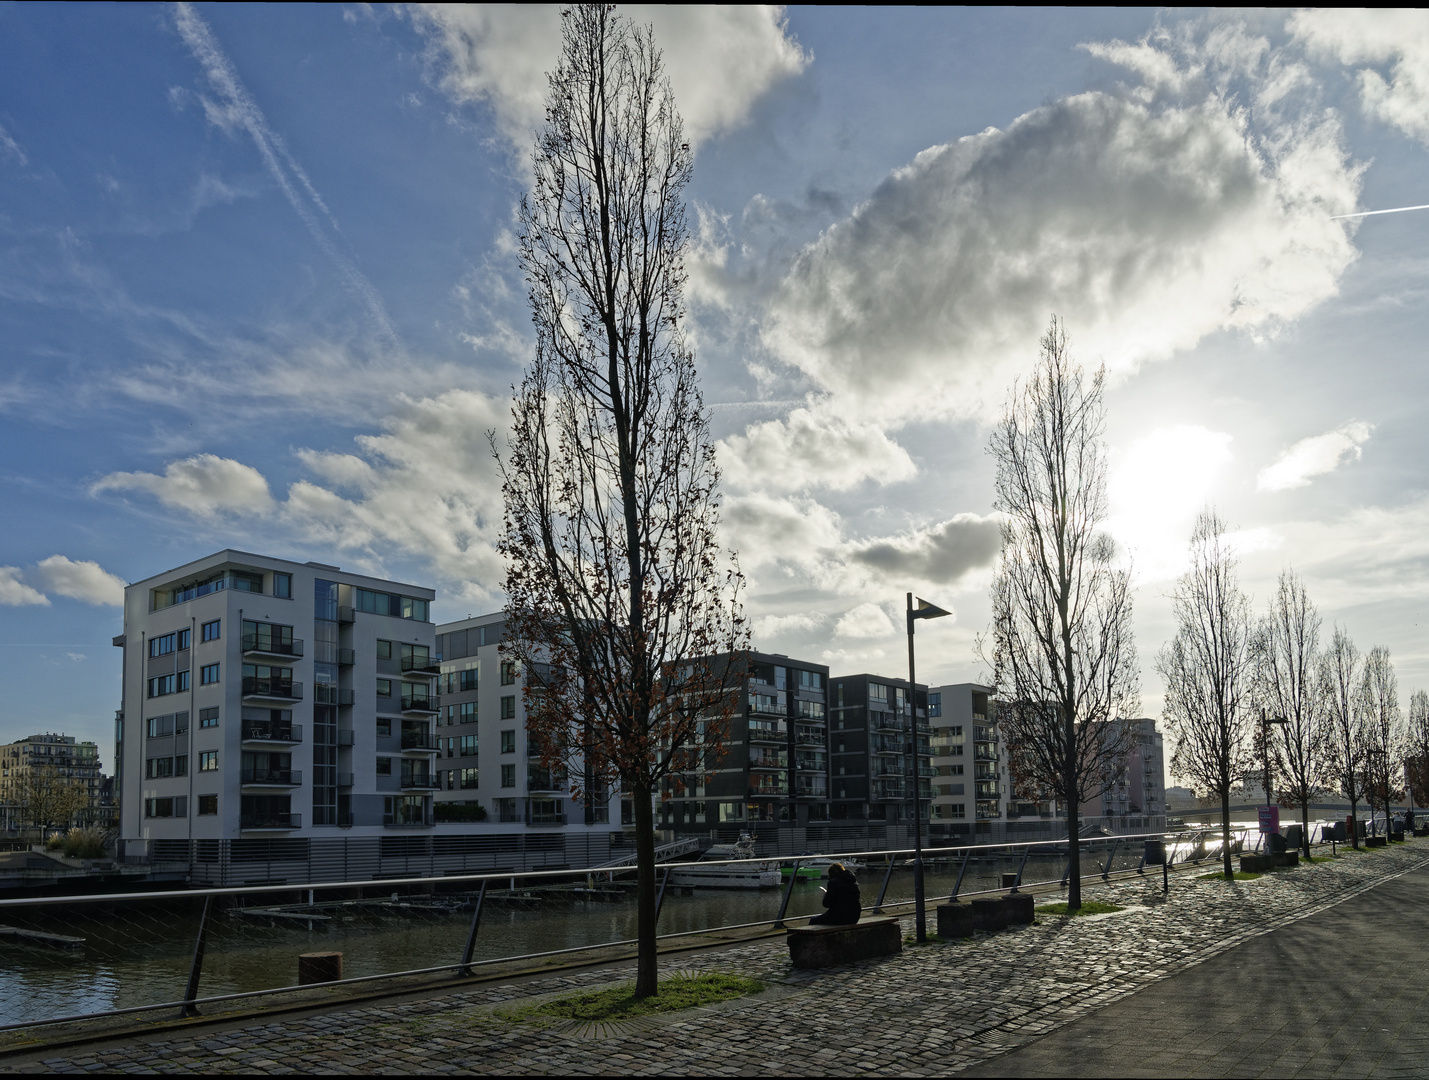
point(319, 967)
point(989, 914)
point(1019, 908)
point(955, 920)
point(829, 946)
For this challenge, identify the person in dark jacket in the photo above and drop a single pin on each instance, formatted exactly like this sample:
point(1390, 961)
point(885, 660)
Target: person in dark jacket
point(841, 898)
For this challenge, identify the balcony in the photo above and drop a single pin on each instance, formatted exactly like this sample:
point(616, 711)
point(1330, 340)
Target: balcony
point(985, 755)
point(272, 689)
point(417, 781)
point(271, 821)
point(346, 657)
point(344, 738)
point(421, 665)
point(346, 615)
point(418, 704)
point(344, 779)
point(811, 786)
point(768, 761)
point(418, 740)
point(889, 722)
point(271, 777)
point(331, 695)
point(258, 731)
point(262, 645)
point(987, 791)
point(927, 770)
point(777, 788)
point(886, 790)
point(809, 764)
point(811, 738)
point(767, 731)
point(543, 781)
point(545, 817)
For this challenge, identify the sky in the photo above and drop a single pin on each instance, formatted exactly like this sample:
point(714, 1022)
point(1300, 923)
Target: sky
point(258, 289)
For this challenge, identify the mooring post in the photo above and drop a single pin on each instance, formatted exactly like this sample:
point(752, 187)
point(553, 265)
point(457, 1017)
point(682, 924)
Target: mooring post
point(196, 968)
point(465, 968)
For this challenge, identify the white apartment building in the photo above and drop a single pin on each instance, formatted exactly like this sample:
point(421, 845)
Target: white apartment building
point(271, 699)
point(970, 788)
point(1138, 791)
point(488, 768)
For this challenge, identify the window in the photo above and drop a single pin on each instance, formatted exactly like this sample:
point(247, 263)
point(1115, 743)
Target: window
point(955, 770)
point(208, 761)
point(209, 631)
point(508, 707)
point(208, 718)
point(243, 581)
point(384, 649)
point(158, 768)
point(399, 607)
point(468, 779)
point(730, 811)
point(935, 704)
point(208, 674)
point(384, 727)
point(814, 710)
point(957, 810)
point(384, 766)
point(466, 712)
point(157, 808)
point(461, 681)
point(508, 776)
point(508, 742)
point(508, 673)
point(283, 585)
point(162, 685)
point(877, 692)
point(384, 687)
point(159, 726)
point(810, 680)
point(208, 804)
point(162, 646)
point(468, 746)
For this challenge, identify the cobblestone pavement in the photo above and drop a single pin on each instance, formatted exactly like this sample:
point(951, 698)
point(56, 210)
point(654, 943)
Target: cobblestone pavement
point(934, 1009)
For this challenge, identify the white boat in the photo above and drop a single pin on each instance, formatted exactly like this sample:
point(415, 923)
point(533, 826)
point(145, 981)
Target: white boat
point(745, 872)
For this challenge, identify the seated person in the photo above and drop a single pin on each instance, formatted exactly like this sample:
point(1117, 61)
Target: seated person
point(841, 898)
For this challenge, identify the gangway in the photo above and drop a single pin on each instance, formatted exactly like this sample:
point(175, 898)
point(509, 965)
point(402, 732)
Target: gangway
point(663, 853)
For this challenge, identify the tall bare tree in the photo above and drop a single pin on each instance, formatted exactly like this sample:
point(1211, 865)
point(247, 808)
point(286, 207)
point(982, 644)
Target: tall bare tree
point(618, 590)
point(1384, 729)
point(1416, 738)
point(1286, 653)
point(1063, 657)
point(1343, 750)
point(1207, 672)
point(47, 798)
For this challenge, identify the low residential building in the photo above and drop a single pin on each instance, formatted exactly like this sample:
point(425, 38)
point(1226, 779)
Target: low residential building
point(268, 702)
point(878, 749)
point(51, 777)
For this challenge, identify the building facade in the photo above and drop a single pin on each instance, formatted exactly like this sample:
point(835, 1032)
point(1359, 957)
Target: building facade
point(54, 777)
point(879, 749)
point(970, 788)
point(264, 698)
point(1138, 789)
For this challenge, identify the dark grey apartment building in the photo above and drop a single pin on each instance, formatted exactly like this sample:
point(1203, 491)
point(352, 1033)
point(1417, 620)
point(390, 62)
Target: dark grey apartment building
point(877, 749)
point(772, 768)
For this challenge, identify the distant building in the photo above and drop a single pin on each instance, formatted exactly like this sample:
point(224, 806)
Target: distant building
point(1138, 788)
point(1180, 798)
point(970, 788)
point(43, 767)
point(879, 749)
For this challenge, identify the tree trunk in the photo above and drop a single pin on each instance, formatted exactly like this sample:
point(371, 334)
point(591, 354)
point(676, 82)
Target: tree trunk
point(1305, 828)
point(1074, 857)
point(647, 971)
point(1354, 823)
point(1226, 835)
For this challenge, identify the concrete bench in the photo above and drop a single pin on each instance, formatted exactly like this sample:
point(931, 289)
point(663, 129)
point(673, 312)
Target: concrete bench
point(828, 946)
point(1260, 864)
point(993, 913)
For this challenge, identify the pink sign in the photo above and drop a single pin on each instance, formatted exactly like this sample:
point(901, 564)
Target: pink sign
point(1269, 819)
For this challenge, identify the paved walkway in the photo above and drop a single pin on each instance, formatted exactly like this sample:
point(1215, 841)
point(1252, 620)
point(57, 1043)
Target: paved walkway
point(1049, 998)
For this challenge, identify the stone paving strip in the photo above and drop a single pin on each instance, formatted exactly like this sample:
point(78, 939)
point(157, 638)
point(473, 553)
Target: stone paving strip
point(939, 1008)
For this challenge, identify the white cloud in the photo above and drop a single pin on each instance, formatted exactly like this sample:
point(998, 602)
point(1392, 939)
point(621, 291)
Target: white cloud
point(9, 146)
point(1147, 221)
point(1396, 38)
point(86, 581)
point(813, 447)
point(15, 593)
point(204, 485)
point(1314, 456)
point(720, 59)
point(865, 622)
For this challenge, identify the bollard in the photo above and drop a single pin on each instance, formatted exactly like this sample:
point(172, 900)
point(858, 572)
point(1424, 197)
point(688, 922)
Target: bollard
point(319, 967)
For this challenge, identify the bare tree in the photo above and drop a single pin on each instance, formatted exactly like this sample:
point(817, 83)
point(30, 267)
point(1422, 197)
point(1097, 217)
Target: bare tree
point(1207, 672)
point(1384, 729)
point(1416, 738)
point(1064, 661)
point(1287, 645)
point(618, 591)
point(47, 798)
point(1343, 750)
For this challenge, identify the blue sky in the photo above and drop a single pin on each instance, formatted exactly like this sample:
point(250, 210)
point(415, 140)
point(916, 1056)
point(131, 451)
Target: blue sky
point(257, 289)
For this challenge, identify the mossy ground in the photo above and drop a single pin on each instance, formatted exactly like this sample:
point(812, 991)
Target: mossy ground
point(676, 993)
point(1240, 875)
point(1089, 907)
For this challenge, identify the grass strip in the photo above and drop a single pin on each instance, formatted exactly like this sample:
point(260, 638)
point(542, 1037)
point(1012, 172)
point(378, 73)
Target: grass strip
point(1240, 875)
point(676, 993)
point(1089, 907)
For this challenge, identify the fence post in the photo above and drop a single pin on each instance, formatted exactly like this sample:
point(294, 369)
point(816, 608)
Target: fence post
point(1020, 867)
point(465, 968)
point(196, 968)
point(967, 854)
point(878, 907)
point(784, 905)
point(660, 899)
point(1106, 870)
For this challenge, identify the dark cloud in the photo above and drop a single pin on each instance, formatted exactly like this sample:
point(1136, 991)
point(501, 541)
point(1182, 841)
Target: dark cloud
point(941, 553)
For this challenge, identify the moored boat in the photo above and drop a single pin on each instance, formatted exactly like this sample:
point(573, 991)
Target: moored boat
point(741, 869)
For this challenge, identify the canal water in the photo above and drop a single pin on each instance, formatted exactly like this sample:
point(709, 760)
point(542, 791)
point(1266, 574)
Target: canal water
point(138, 952)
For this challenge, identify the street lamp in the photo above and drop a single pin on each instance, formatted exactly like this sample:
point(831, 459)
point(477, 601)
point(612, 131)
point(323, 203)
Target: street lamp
point(924, 610)
point(1266, 720)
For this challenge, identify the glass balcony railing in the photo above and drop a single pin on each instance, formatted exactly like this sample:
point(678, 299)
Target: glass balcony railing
point(418, 704)
point(270, 646)
point(280, 689)
point(258, 731)
point(418, 740)
point(270, 776)
point(277, 820)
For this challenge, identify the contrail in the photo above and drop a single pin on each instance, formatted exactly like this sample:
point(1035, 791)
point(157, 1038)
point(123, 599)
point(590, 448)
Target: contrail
point(1371, 213)
point(241, 107)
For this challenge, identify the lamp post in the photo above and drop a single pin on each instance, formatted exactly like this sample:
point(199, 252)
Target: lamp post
point(924, 610)
point(1266, 721)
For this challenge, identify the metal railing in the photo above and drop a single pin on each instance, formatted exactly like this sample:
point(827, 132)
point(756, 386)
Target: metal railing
point(188, 933)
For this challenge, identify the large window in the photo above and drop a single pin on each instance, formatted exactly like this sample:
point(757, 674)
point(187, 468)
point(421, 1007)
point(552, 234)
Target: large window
point(404, 810)
point(208, 761)
point(810, 680)
point(269, 638)
point(508, 742)
point(508, 707)
point(208, 718)
point(400, 607)
point(508, 776)
point(159, 808)
point(508, 672)
point(163, 685)
point(208, 804)
point(208, 674)
point(384, 766)
point(167, 643)
point(160, 768)
point(468, 779)
point(384, 687)
point(210, 630)
point(283, 585)
point(468, 746)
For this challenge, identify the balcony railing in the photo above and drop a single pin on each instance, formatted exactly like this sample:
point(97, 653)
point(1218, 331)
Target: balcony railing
point(418, 740)
point(768, 761)
point(271, 776)
point(811, 738)
point(257, 643)
point(346, 657)
point(344, 779)
point(557, 817)
point(277, 820)
point(344, 738)
point(277, 689)
point(421, 665)
point(543, 780)
point(766, 731)
point(768, 786)
point(418, 704)
point(808, 764)
point(984, 755)
point(346, 615)
point(419, 780)
point(331, 695)
point(258, 731)
point(811, 786)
